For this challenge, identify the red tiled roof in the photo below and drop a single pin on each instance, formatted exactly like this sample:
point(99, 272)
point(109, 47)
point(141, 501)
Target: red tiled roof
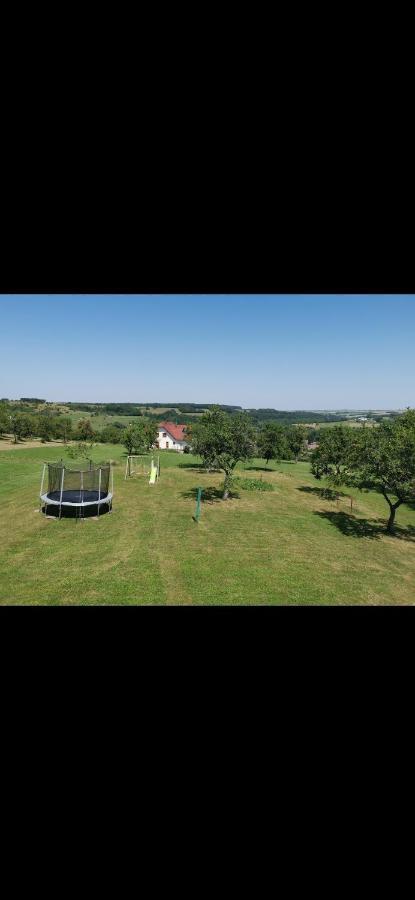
point(176, 431)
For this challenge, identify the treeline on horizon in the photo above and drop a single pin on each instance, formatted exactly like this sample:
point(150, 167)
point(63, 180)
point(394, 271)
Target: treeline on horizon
point(187, 411)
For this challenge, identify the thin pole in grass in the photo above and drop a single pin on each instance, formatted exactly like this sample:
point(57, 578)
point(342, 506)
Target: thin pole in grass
point(196, 516)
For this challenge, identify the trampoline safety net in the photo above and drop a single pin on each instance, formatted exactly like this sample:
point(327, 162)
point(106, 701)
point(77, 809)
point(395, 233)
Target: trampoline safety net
point(73, 489)
point(78, 480)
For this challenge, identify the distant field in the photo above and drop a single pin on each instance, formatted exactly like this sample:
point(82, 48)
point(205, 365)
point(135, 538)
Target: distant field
point(347, 422)
point(287, 546)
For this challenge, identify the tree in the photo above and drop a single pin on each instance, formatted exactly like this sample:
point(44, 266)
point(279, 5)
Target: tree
point(111, 435)
point(20, 426)
point(64, 428)
point(80, 450)
point(85, 431)
point(332, 456)
point(139, 437)
point(32, 426)
point(297, 440)
point(387, 462)
point(381, 459)
point(4, 422)
point(222, 441)
point(128, 439)
point(272, 441)
point(46, 428)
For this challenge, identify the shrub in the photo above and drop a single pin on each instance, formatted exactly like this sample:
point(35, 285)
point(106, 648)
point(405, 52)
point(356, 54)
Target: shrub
point(80, 450)
point(110, 435)
point(252, 484)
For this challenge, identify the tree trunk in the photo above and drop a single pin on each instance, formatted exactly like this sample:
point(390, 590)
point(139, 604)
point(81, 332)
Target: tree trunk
point(392, 507)
point(391, 520)
point(227, 485)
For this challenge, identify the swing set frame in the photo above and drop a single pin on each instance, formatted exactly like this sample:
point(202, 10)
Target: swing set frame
point(141, 468)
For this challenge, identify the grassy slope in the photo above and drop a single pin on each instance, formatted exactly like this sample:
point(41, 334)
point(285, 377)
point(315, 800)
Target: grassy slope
point(286, 546)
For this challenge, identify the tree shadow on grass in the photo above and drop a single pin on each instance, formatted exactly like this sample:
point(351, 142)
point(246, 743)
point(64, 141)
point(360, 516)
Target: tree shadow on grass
point(198, 467)
point(259, 469)
point(210, 495)
point(350, 526)
point(324, 493)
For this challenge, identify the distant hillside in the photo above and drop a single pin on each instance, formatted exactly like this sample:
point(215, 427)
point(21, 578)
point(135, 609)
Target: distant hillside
point(186, 412)
point(127, 409)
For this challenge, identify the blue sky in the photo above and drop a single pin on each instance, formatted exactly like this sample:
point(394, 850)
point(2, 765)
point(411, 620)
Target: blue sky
point(286, 352)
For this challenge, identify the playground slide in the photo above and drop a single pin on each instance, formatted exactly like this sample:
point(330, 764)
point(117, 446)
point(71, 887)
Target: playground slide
point(153, 475)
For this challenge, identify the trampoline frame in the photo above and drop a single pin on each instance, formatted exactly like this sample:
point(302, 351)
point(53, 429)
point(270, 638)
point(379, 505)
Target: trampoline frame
point(45, 500)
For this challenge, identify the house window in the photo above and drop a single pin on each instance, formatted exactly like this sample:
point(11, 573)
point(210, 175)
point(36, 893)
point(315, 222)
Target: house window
point(164, 434)
point(167, 445)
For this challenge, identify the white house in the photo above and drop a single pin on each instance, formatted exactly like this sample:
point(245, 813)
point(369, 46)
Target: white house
point(171, 437)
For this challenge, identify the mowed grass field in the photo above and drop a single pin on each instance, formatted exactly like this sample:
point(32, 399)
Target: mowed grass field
point(289, 546)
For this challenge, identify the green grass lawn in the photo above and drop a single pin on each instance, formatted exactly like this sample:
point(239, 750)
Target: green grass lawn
point(290, 545)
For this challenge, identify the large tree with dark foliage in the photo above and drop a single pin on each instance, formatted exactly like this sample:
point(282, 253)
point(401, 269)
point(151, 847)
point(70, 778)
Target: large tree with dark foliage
point(222, 441)
point(272, 441)
point(332, 456)
point(63, 428)
point(46, 427)
point(21, 426)
point(297, 440)
point(380, 458)
point(387, 462)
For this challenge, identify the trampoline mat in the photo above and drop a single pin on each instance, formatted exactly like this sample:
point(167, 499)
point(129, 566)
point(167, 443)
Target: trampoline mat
point(78, 497)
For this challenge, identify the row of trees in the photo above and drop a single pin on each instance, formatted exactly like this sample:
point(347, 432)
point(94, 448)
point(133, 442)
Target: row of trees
point(380, 459)
point(223, 440)
point(45, 425)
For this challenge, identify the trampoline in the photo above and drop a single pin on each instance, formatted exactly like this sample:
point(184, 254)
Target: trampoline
point(74, 492)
